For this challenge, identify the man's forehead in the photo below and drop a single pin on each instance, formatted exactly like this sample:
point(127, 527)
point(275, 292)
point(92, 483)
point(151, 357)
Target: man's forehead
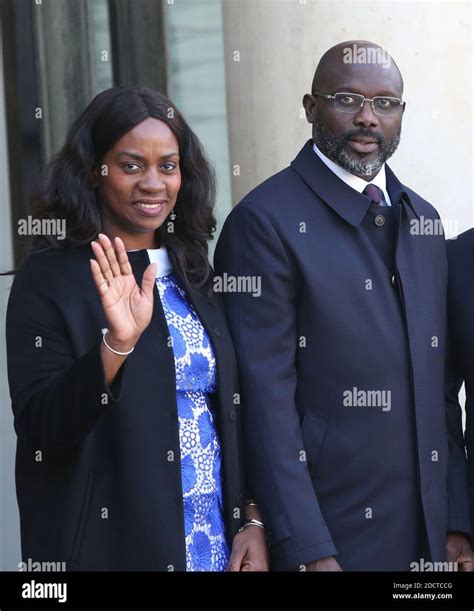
point(365, 64)
point(363, 78)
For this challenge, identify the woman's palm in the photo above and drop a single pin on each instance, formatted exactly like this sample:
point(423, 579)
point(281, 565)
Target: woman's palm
point(127, 307)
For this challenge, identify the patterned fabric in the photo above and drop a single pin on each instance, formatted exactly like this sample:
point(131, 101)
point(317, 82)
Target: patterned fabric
point(206, 546)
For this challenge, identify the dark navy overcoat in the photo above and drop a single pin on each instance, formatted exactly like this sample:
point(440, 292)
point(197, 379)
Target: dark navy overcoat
point(341, 365)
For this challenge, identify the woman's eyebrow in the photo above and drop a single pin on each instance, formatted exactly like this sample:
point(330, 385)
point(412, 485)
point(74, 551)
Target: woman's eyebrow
point(141, 158)
point(130, 154)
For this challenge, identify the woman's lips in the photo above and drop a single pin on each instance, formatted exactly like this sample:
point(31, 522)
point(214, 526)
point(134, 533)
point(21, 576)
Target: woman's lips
point(149, 209)
point(363, 146)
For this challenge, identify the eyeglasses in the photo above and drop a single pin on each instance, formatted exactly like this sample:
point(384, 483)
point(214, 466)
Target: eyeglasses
point(382, 105)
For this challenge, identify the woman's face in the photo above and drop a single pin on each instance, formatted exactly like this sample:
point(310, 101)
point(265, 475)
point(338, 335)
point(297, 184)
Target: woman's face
point(138, 182)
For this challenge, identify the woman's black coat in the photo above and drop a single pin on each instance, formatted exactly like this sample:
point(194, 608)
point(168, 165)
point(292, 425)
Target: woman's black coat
point(98, 469)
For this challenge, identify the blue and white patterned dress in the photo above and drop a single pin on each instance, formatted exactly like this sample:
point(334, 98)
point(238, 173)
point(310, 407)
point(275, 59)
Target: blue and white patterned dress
point(206, 545)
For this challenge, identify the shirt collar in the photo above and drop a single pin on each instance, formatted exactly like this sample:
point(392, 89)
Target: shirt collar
point(353, 181)
point(161, 258)
point(158, 256)
point(348, 203)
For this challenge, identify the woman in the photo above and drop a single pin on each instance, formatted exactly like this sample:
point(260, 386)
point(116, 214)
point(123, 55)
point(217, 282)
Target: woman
point(121, 368)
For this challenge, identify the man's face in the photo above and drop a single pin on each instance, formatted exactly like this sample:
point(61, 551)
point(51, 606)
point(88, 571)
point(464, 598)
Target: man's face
point(360, 142)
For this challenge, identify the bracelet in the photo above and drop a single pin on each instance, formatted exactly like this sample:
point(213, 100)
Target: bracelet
point(251, 522)
point(104, 333)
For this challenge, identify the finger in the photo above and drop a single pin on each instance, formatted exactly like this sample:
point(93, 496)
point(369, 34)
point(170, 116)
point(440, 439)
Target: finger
point(250, 565)
point(110, 254)
point(102, 260)
point(235, 561)
point(100, 282)
point(122, 257)
point(254, 567)
point(148, 281)
point(465, 564)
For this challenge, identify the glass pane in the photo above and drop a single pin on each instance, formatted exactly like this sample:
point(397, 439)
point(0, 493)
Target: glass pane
point(196, 83)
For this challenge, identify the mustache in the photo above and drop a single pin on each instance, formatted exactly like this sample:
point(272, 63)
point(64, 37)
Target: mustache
point(364, 132)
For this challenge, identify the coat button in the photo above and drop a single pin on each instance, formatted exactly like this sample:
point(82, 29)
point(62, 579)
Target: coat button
point(232, 416)
point(379, 220)
point(393, 280)
point(217, 332)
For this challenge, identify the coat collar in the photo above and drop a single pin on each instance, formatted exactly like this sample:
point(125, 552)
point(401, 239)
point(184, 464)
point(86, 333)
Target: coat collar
point(345, 201)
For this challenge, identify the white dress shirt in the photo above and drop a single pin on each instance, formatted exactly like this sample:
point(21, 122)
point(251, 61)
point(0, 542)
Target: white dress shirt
point(354, 181)
point(160, 257)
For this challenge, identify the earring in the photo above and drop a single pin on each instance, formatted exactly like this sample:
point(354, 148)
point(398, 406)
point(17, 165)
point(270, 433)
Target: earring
point(172, 215)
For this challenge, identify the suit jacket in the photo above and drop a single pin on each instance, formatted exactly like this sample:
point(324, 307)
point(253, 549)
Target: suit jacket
point(460, 368)
point(98, 471)
point(335, 477)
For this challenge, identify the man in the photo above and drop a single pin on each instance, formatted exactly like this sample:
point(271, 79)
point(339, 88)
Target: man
point(341, 356)
point(460, 368)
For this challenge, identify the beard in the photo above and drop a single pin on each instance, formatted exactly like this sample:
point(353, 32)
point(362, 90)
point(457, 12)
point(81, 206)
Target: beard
point(335, 149)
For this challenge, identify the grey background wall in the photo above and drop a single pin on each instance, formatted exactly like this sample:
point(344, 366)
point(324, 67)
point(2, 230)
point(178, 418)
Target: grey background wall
point(279, 43)
point(9, 525)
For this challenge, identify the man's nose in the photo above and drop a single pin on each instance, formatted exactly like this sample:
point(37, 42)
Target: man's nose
point(366, 116)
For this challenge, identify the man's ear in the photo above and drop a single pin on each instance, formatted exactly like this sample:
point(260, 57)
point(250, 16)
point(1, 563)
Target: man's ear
point(309, 103)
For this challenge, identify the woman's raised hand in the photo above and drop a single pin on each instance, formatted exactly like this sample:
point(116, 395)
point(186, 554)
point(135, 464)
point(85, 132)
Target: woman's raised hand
point(127, 307)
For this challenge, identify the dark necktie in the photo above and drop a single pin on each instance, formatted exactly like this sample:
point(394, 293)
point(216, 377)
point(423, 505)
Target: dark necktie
point(380, 224)
point(374, 194)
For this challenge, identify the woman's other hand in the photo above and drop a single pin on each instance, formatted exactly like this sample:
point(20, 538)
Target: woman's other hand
point(249, 550)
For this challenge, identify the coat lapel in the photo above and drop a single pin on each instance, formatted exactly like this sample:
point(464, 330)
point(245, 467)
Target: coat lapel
point(348, 203)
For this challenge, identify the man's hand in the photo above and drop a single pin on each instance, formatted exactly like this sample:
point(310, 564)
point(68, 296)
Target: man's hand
point(324, 564)
point(459, 550)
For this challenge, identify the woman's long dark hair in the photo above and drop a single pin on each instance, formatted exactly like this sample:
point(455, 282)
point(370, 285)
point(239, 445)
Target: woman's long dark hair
point(68, 192)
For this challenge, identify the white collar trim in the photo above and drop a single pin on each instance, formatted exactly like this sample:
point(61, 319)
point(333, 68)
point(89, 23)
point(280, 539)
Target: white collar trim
point(354, 181)
point(160, 257)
